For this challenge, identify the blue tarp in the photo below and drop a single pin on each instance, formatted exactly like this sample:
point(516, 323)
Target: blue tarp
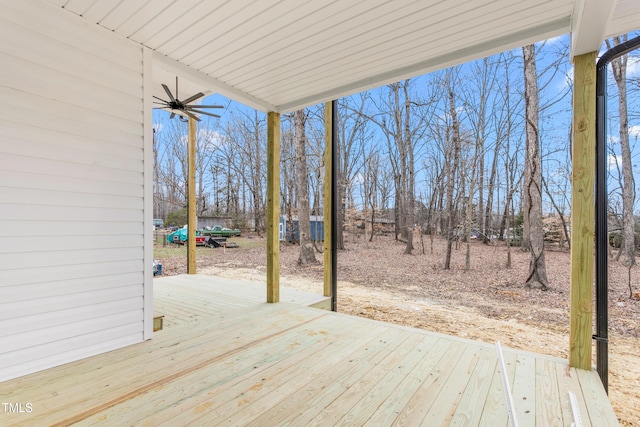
point(181, 233)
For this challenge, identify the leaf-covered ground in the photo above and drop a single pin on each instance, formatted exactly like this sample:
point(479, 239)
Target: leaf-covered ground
point(486, 303)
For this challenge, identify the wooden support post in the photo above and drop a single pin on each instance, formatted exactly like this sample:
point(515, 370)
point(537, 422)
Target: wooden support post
point(191, 200)
point(582, 209)
point(327, 205)
point(273, 207)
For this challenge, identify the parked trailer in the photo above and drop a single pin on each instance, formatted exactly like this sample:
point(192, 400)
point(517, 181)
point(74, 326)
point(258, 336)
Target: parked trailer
point(219, 231)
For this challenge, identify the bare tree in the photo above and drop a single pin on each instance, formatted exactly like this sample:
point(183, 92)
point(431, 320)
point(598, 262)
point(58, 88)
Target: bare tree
point(452, 169)
point(619, 66)
point(470, 162)
point(436, 180)
point(246, 131)
point(208, 139)
point(288, 172)
point(352, 134)
point(307, 255)
point(370, 187)
point(315, 133)
point(228, 163)
point(402, 120)
point(510, 142)
point(533, 178)
point(158, 205)
point(477, 96)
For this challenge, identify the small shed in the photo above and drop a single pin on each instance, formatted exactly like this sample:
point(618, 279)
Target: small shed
point(317, 228)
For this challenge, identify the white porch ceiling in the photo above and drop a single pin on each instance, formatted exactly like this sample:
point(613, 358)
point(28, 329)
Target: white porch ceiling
point(281, 55)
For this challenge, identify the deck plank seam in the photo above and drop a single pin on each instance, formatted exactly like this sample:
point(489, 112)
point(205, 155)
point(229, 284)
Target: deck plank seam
point(140, 390)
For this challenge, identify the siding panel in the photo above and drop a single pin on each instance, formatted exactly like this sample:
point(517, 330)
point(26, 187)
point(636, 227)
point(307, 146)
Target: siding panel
point(54, 257)
point(78, 325)
point(81, 36)
point(58, 353)
point(30, 196)
point(70, 228)
point(49, 175)
point(55, 85)
point(72, 188)
point(88, 66)
point(94, 124)
point(30, 124)
point(85, 313)
point(66, 272)
point(53, 288)
point(10, 211)
point(34, 306)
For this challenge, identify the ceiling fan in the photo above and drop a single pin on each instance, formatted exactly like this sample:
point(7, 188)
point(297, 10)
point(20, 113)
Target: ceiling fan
point(183, 108)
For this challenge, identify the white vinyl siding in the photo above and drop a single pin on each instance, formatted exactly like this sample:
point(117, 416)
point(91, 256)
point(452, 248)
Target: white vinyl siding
point(72, 189)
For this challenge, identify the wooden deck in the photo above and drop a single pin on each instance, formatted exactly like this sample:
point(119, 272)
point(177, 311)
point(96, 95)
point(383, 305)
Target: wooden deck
point(188, 298)
point(225, 359)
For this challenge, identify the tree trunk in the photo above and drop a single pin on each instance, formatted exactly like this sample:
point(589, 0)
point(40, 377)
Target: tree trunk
point(453, 166)
point(468, 222)
point(526, 200)
point(506, 218)
point(467, 258)
point(342, 211)
point(619, 66)
point(258, 203)
point(533, 195)
point(410, 199)
point(307, 254)
point(488, 223)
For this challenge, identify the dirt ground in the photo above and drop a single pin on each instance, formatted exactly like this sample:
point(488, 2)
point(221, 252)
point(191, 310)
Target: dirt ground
point(487, 303)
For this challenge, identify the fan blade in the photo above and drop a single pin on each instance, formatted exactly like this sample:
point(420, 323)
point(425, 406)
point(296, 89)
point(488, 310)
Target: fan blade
point(157, 97)
point(204, 112)
point(193, 116)
point(165, 108)
point(193, 98)
point(204, 106)
point(166, 89)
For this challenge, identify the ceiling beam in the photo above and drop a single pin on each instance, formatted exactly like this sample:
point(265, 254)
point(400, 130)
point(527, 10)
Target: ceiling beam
point(589, 24)
point(211, 83)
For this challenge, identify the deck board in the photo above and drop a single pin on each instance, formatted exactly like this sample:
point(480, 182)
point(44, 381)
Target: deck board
point(282, 385)
point(362, 382)
point(590, 391)
point(338, 365)
point(568, 380)
point(395, 401)
point(494, 412)
point(448, 397)
point(370, 401)
point(470, 407)
point(548, 406)
point(335, 383)
point(524, 390)
point(227, 357)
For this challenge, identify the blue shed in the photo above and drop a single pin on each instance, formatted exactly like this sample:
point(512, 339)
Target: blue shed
point(317, 228)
